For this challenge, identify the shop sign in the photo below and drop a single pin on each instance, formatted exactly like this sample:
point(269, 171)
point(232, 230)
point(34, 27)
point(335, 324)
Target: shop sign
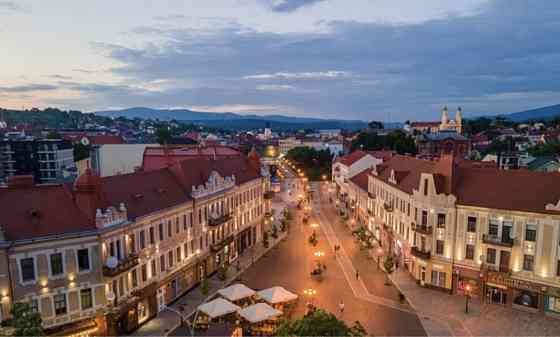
point(500, 279)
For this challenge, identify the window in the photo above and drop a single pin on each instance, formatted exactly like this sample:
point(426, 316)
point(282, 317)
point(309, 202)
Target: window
point(152, 236)
point(169, 232)
point(424, 218)
point(34, 305)
point(153, 267)
point(491, 256)
point(425, 186)
point(57, 264)
point(144, 271)
point(441, 220)
point(469, 254)
point(160, 230)
point(83, 259)
point(134, 277)
point(471, 224)
point(439, 247)
point(170, 258)
point(60, 304)
point(438, 279)
point(27, 269)
point(162, 263)
point(493, 227)
point(142, 240)
point(528, 262)
point(186, 249)
point(531, 233)
point(558, 268)
point(179, 254)
point(86, 298)
point(132, 243)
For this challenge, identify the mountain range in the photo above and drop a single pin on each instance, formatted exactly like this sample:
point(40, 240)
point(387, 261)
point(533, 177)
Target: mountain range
point(233, 120)
point(544, 113)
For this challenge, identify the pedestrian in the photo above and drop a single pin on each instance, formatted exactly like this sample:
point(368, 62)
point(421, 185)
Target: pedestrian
point(341, 307)
point(357, 275)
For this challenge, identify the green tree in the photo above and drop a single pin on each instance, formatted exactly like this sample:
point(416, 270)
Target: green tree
point(375, 125)
point(81, 151)
point(204, 287)
point(397, 141)
point(163, 135)
point(25, 321)
point(388, 265)
point(319, 323)
point(314, 163)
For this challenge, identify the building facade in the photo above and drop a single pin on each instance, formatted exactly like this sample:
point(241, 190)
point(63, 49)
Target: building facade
point(452, 224)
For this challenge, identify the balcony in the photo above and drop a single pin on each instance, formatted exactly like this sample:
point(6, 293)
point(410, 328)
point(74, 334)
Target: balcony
point(218, 220)
point(496, 240)
point(124, 265)
point(218, 246)
point(424, 255)
point(387, 207)
point(498, 269)
point(268, 195)
point(371, 195)
point(422, 229)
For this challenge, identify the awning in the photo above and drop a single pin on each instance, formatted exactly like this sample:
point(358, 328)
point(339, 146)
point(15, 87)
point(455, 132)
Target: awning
point(218, 307)
point(259, 312)
point(276, 295)
point(236, 292)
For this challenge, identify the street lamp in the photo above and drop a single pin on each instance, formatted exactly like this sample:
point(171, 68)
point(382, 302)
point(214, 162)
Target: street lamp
point(314, 225)
point(311, 293)
point(319, 254)
point(467, 296)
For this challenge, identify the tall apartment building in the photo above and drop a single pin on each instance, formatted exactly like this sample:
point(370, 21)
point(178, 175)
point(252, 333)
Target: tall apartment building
point(105, 255)
point(453, 224)
point(46, 159)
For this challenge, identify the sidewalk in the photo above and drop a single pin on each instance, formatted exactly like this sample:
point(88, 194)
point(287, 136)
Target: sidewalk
point(166, 321)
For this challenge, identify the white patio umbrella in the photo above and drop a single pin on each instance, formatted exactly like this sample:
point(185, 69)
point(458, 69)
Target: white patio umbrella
point(236, 292)
point(259, 312)
point(276, 295)
point(218, 307)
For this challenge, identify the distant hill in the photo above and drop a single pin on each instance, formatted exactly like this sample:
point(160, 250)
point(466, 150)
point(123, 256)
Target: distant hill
point(233, 120)
point(547, 112)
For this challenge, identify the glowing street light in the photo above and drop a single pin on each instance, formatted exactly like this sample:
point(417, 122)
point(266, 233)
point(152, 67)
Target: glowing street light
point(319, 254)
point(311, 293)
point(314, 225)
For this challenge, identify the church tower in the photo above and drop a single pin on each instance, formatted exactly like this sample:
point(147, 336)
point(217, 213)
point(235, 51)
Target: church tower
point(444, 119)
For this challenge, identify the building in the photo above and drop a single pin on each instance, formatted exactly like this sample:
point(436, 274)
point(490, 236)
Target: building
point(156, 157)
point(544, 164)
point(443, 142)
point(445, 124)
point(103, 256)
point(113, 159)
point(453, 224)
point(48, 160)
point(289, 143)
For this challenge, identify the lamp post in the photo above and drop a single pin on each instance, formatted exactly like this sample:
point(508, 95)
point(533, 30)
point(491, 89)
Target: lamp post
point(379, 253)
point(467, 296)
point(311, 293)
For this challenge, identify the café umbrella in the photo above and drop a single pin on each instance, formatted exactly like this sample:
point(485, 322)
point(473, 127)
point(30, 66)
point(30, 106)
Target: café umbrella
point(276, 295)
point(236, 292)
point(259, 312)
point(218, 308)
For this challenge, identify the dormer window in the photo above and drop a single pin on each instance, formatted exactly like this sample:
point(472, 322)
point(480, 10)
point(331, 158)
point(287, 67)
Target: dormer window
point(425, 186)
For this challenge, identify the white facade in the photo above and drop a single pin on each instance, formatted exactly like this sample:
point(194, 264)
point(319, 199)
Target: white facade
point(113, 159)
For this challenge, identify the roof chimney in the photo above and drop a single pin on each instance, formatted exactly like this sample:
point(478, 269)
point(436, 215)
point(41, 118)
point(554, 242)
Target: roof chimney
point(21, 181)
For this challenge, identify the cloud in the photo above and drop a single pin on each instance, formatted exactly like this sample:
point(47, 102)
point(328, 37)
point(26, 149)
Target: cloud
point(10, 6)
point(238, 108)
point(284, 6)
point(20, 89)
point(59, 77)
point(320, 75)
point(275, 87)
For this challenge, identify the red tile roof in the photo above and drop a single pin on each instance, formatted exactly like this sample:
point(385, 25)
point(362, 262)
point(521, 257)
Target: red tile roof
point(473, 185)
point(38, 211)
point(361, 179)
point(383, 154)
point(351, 158)
point(106, 139)
point(160, 157)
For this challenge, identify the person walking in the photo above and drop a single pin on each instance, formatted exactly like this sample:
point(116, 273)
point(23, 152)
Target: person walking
point(357, 274)
point(341, 307)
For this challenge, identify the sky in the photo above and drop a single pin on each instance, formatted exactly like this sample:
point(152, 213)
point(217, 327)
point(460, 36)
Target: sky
point(388, 60)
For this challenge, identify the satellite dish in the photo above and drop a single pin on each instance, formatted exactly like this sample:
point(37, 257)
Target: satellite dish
point(112, 262)
point(85, 141)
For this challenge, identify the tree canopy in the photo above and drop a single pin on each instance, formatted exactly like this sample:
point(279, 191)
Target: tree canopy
point(397, 141)
point(319, 323)
point(26, 321)
point(314, 163)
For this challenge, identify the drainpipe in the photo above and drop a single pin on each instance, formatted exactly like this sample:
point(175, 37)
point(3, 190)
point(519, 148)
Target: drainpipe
point(454, 250)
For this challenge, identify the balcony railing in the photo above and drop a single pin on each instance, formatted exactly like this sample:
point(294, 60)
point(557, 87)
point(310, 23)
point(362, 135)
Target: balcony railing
point(371, 195)
point(218, 246)
point(422, 229)
point(496, 240)
point(219, 220)
point(424, 255)
point(125, 264)
point(498, 269)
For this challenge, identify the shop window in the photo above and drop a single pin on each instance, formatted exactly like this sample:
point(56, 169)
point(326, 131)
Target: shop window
point(438, 279)
point(439, 247)
point(471, 224)
point(60, 307)
point(526, 298)
point(469, 254)
point(491, 256)
point(553, 304)
point(531, 233)
point(528, 262)
point(441, 220)
point(86, 298)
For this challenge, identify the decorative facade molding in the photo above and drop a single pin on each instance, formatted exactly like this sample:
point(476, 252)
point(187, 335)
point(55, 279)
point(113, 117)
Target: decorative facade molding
point(552, 207)
point(215, 183)
point(111, 216)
